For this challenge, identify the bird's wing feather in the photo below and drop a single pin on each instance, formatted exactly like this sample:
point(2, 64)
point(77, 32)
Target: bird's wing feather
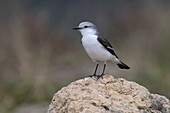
point(106, 44)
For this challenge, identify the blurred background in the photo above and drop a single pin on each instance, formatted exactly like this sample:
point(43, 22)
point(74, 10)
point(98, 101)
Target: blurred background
point(40, 53)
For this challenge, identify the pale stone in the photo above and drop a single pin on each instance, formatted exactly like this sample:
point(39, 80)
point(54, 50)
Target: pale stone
point(107, 95)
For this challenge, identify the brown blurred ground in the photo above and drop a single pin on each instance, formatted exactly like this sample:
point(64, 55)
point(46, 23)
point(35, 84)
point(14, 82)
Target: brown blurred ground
point(39, 52)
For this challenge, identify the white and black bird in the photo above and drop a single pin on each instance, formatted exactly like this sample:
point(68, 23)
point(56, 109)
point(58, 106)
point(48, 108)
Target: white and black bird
point(97, 47)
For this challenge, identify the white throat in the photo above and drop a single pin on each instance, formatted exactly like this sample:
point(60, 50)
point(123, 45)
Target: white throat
point(88, 31)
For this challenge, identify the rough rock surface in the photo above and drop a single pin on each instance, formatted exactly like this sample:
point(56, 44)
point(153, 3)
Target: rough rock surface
point(107, 95)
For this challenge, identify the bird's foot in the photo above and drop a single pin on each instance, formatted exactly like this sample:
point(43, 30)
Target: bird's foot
point(99, 76)
point(92, 75)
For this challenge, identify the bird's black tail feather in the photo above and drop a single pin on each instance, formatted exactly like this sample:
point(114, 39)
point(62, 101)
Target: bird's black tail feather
point(123, 66)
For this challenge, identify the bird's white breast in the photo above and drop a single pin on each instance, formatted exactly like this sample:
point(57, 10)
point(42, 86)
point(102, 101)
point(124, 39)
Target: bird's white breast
point(94, 49)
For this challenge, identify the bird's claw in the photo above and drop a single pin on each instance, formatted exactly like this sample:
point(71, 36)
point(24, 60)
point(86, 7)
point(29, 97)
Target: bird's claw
point(99, 76)
point(92, 75)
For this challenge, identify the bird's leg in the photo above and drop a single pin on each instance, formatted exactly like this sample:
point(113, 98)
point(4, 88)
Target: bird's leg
point(94, 71)
point(103, 71)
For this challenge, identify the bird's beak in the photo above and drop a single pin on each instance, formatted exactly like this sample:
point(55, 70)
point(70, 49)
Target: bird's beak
point(77, 28)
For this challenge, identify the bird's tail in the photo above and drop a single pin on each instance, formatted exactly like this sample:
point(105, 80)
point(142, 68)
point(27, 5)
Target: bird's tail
point(121, 65)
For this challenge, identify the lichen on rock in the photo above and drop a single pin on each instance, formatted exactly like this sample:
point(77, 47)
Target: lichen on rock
point(107, 95)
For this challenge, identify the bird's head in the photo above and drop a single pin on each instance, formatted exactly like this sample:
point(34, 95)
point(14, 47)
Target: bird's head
point(86, 28)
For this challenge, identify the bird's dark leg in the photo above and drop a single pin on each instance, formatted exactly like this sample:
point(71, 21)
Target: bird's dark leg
point(94, 71)
point(103, 71)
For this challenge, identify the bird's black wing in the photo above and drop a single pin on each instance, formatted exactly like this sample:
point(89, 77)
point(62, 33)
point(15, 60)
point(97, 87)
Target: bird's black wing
point(106, 44)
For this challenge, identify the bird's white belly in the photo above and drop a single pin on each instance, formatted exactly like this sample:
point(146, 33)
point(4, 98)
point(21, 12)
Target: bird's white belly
point(95, 50)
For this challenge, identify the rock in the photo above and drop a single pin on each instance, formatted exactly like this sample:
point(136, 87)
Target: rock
point(107, 95)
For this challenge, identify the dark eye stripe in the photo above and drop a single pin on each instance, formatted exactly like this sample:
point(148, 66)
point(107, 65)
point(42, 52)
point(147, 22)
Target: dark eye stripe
point(86, 26)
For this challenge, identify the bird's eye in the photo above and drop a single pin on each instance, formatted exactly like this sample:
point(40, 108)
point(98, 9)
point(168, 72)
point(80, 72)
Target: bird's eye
point(86, 26)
